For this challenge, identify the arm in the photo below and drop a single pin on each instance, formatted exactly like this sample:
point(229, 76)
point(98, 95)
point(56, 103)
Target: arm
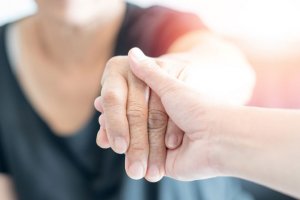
point(6, 188)
point(257, 144)
point(261, 145)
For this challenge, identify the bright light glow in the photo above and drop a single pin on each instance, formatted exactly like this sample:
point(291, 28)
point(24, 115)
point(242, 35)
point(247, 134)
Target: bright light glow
point(267, 19)
point(268, 32)
point(218, 81)
point(14, 9)
point(267, 24)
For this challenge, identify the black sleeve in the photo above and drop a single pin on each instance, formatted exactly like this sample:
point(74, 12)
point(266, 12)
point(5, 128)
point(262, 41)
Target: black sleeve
point(154, 29)
point(3, 168)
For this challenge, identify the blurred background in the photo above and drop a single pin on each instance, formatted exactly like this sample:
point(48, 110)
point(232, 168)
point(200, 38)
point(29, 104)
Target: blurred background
point(268, 32)
point(255, 18)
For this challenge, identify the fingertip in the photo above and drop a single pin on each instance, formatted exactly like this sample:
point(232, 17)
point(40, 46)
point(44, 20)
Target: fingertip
point(120, 145)
point(174, 136)
point(136, 54)
point(172, 141)
point(97, 104)
point(154, 174)
point(102, 140)
point(136, 170)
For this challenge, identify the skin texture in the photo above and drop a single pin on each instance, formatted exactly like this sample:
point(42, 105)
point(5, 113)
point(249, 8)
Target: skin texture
point(220, 138)
point(116, 107)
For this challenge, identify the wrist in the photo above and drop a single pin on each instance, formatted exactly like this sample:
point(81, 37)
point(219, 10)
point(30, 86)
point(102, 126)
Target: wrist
point(226, 142)
point(212, 133)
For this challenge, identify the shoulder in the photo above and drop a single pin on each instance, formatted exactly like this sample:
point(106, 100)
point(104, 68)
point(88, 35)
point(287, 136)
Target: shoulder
point(154, 13)
point(155, 28)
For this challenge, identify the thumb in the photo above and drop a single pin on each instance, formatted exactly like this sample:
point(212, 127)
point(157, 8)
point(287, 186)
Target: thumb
point(146, 69)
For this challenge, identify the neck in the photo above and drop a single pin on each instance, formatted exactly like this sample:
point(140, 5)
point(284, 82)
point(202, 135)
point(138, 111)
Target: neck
point(69, 43)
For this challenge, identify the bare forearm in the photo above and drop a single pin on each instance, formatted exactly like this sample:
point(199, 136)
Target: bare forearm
point(261, 145)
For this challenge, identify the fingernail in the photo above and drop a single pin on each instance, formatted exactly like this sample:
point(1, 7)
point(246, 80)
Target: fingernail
point(172, 141)
point(153, 174)
point(136, 170)
point(137, 54)
point(120, 145)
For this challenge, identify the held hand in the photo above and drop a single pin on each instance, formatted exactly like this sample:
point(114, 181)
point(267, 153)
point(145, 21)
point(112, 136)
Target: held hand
point(132, 121)
point(193, 158)
point(132, 112)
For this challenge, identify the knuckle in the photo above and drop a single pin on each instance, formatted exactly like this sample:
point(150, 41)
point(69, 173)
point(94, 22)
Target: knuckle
point(113, 67)
point(157, 144)
point(145, 62)
point(110, 98)
point(157, 152)
point(157, 120)
point(138, 146)
point(157, 141)
point(136, 113)
point(149, 63)
point(115, 61)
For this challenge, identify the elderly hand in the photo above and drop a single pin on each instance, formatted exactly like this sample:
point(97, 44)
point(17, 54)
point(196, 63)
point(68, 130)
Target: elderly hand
point(126, 110)
point(133, 121)
point(193, 158)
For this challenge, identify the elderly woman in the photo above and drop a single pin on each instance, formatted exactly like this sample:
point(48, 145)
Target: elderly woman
point(51, 66)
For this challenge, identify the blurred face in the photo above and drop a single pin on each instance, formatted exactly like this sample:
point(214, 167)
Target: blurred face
point(74, 11)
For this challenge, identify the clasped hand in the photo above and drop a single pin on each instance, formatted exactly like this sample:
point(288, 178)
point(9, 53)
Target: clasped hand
point(149, 112)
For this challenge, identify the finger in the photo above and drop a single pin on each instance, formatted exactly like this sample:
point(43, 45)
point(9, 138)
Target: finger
point(150, 72)
point(137, 114)
point(157, 126)
point(102, 121)
point(174, 135)
point(114, 98)
point(98, 104)
point(102, 140)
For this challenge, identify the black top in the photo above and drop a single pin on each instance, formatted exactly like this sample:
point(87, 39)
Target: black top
point(45, 166)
